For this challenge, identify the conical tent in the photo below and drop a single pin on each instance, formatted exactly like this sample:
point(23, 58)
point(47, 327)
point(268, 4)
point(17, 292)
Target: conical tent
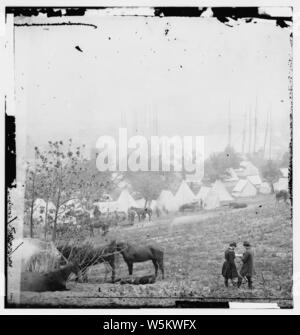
point(244, 189)
point(184, 194)
point(255, 180)
point(284, 172)
point(221, 190)
point(153, 204)
point(281, 185)
point(265, 188)
point(249, 169)
point(166, 201)
point(126, 201)
point(141, 202)
point(203, 193)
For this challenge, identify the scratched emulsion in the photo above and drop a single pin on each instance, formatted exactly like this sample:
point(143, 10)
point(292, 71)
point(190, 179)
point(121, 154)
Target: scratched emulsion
point(291, 123)
point(222, 14)
point(10, 177)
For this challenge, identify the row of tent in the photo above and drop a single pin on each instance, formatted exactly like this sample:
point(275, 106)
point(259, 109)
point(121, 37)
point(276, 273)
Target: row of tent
point(210, 196)
point(217, 194)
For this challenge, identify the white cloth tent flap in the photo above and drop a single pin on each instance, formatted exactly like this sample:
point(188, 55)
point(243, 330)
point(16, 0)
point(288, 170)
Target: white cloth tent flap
point(184, 194)
point(221, 191)
point(126, 201)
point(255, 180)
point(244, 189)
point(166, 201)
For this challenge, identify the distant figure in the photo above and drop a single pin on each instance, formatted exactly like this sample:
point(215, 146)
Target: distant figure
point(96, 212)
point(229, 270)
point(247, 267)
point(157, 211)
point(282, 195)
point(131, 215)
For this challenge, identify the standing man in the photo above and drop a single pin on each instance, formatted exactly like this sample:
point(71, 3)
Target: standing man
point(229, 270)
point(247, 267)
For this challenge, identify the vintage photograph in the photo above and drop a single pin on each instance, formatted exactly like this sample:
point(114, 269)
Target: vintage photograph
point(152, 151)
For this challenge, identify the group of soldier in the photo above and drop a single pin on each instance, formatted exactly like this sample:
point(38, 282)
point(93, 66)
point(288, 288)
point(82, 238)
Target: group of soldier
point(229, 268)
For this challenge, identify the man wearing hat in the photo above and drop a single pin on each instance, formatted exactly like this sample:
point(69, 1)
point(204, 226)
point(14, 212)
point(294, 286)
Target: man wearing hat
point(247, 267)
point(229, 270)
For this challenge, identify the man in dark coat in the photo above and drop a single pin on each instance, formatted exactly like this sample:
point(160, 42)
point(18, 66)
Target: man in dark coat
point(229, 270)
point(247, 267)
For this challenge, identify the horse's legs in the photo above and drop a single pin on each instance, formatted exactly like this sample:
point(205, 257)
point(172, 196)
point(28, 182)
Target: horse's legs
point(155, 266)
point(85, 277)
point(91, 231)
point(161, 267)
point(113, 270)
point(130, 268)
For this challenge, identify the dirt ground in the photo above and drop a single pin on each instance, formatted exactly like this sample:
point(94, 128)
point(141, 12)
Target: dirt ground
point(194, 245)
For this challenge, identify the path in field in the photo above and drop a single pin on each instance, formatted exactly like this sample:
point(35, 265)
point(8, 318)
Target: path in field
point(194, 247)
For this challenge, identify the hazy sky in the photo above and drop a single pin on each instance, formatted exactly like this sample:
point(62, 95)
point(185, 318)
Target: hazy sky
point(183, 74)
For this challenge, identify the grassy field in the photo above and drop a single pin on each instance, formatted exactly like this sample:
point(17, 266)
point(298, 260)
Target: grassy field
point(194, 247)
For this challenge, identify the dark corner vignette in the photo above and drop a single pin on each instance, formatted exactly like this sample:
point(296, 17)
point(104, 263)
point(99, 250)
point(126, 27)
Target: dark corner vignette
point(220, 13)
point(10, 177)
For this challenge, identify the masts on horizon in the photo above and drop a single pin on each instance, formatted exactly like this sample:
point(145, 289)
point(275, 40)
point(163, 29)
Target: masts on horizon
point(266, 133)
point(255, 126)
point(250, 131)
point(244, 133)
point(229, 126)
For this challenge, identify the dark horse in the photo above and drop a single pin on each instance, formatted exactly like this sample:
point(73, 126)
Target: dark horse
point(49, 281)
point(142, 212)
point(282, 195)
point(132, 254)
point(87, 256)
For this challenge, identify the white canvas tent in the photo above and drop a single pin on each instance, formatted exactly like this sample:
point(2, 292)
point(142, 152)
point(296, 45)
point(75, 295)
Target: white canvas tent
point(265, 188)
point(125, 201)
point(282, 184)
point(247, 169)
point(211, 200)
point(284, 172)
point(244, 189)
point(203, 193)
point(221, 191)
point(72, 204)
point(255, 180)
point(166, 200)
point(153, 204)
point(184, 194)
point(107, 206)
point(141, 202)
